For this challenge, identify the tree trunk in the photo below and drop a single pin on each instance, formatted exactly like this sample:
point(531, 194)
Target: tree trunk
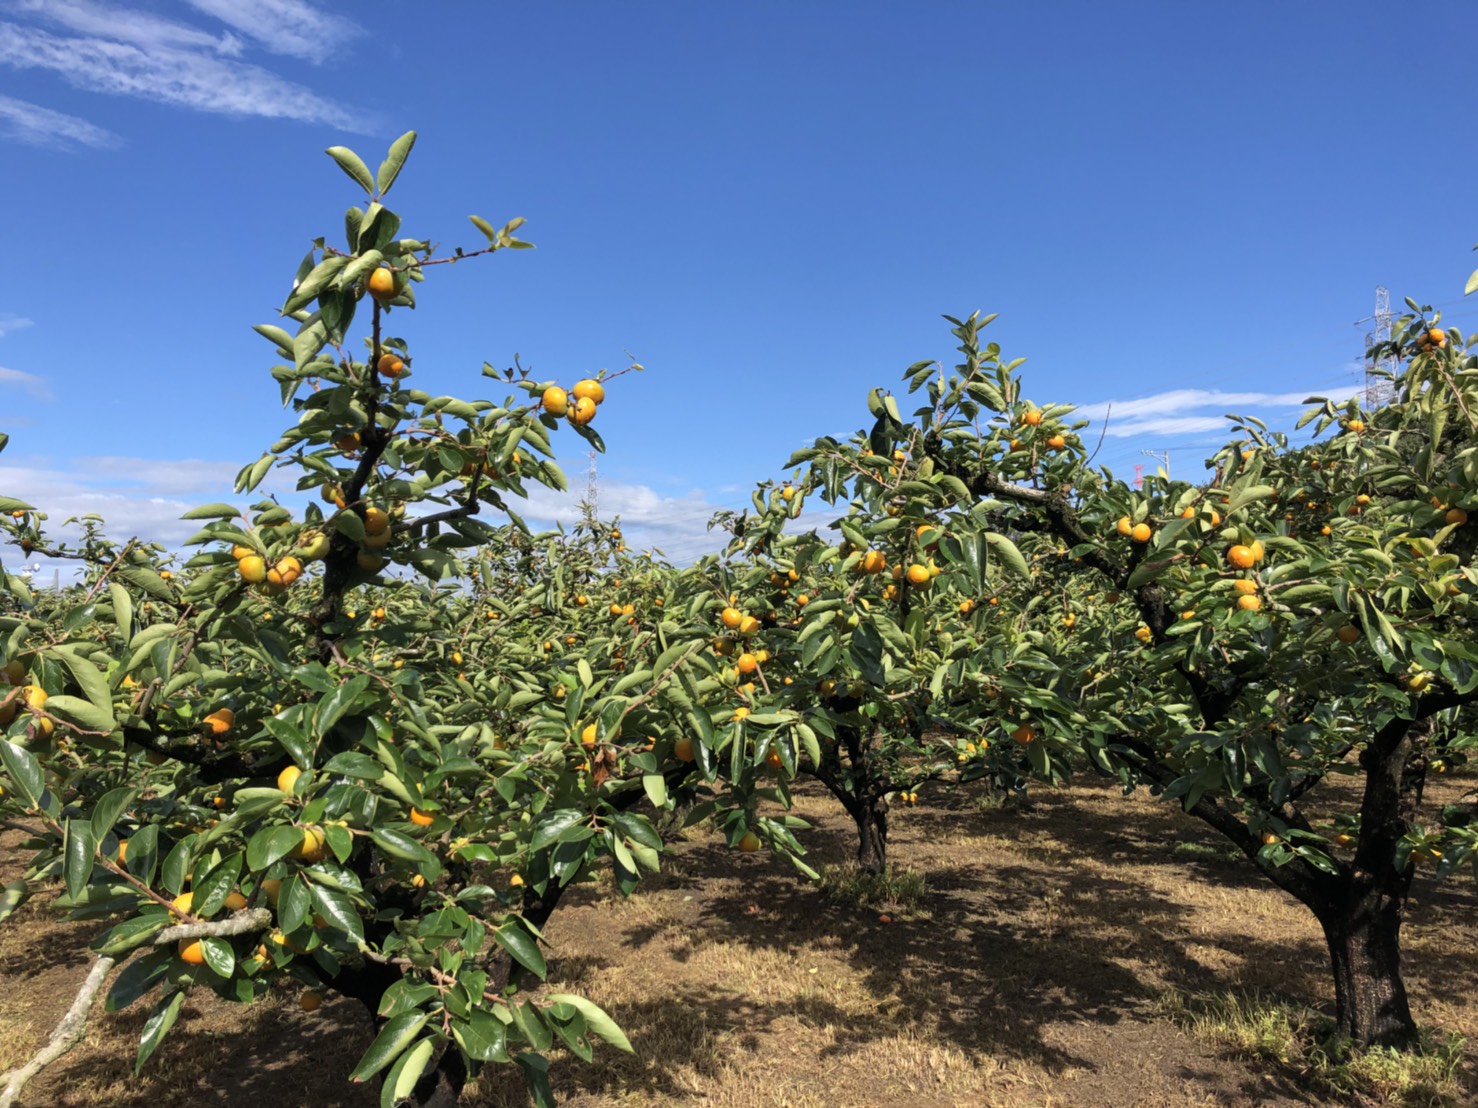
point(871, 817)
point(1364, 938)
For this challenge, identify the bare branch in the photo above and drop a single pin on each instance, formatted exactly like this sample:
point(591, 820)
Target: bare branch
point(240, 923)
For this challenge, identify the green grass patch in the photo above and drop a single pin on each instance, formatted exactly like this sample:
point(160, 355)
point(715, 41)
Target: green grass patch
point(899, 890)
point(1263, 1027)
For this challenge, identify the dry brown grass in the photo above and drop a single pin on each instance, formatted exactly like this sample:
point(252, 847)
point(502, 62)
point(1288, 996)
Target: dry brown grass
point(1034, 972)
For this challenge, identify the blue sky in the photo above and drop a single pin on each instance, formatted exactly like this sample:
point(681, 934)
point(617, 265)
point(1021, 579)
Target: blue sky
point(1179, 208)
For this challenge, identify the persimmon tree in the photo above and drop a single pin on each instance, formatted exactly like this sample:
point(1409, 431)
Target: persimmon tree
point(873, 636)
point(328, 751)
point(1302, 617)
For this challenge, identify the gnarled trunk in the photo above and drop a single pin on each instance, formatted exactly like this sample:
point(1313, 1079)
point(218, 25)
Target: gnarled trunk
point(1364, 939)
point(871, 818)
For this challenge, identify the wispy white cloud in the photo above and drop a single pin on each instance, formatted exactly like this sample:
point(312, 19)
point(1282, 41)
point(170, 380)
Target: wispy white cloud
point(1185, 411)
point(64, 494)
point(676, 525)
point(136, 497)
point(38, 126)
point(33, 386)
point(128, 53)
point(110, 21)
point(166, 477)
point(284, 26)
point(8, 321)
point(146, 497)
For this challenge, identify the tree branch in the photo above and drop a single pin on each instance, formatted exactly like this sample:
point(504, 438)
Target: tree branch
point(1298, 879)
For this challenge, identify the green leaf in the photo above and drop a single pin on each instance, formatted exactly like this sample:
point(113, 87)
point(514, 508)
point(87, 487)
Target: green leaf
point(177, 866)
point(130, 934)
point(521, 947)
point(867, 654)
point(218, 955)
point(311, 286)
point(655, 786)
point(24, 772)
point(434, 565)
point(352, 764)
point(109, 807)
point(397, 1034)
point(275, 335)
point(12, 897)
point(1146, 572)
point(555, 825)
point(532, 1024)
point(294, 904)
point(213, 511)
point(351, 164)
point(1006, 550)
point(92, 682)
point(359, 269)
point(211, 889)
point(400, 1082)
point(332, 707)
point(1242, 497)
point(569, 1024)
point(595, 1020)
point(484, 1038)
point(84, 714)
point(536, 1074)
point(143, 852)
point(138, 977)
point(160, 1021)
point(81, 846)
point(400, 845)
point(391, 166)
point(485, 227)
point(298, 748)
point(268, 845)
point(335, 907)
point(122, 609)
point(251, 476)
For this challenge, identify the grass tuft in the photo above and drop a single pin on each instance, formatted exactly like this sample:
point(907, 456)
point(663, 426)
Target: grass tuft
point(900, 890)
point(1264, 1027)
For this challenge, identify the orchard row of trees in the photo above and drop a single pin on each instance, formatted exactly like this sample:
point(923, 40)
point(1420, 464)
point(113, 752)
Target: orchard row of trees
point(369, 745)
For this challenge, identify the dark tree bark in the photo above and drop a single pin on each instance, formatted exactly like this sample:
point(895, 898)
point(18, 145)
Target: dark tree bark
point(1360, 907)
point(1364, 939)
point(863, 797)
point(871, 816)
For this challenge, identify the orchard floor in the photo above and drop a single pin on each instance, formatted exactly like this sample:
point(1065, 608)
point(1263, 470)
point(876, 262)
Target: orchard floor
point(1034, 971)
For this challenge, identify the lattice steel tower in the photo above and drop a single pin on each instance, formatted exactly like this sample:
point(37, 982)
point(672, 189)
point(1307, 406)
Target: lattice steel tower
point(1379, 390)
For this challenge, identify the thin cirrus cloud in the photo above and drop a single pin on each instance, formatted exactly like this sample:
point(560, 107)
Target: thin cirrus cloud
point(33, 386)
point(128, 52)
point(283, 26)
point(1191, 411)
point(38, 126)
point(123, 25)
point(9, 322)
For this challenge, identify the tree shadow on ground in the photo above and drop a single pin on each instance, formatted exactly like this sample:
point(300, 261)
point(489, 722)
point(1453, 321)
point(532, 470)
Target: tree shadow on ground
point(998, 953)
point(283, 1057)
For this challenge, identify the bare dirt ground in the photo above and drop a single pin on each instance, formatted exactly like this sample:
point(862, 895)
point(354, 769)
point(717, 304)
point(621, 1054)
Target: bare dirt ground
point(1033, 972)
